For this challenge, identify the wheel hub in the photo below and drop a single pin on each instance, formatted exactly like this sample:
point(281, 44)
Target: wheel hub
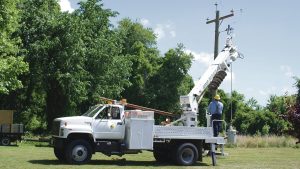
point(5, 142)
point(187, 155)
point(79, 153)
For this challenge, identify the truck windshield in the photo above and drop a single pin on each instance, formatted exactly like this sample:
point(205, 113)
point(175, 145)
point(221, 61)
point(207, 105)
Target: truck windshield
point(92, 111)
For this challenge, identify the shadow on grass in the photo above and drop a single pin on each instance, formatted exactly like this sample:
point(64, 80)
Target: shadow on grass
point(118, 162)
point(42, 145)
point(11, 145)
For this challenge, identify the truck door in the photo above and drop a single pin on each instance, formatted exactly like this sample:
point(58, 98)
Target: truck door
point(108, 124)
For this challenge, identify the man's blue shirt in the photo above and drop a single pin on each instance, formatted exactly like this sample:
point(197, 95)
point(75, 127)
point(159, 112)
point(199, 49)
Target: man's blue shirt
point(215, 107)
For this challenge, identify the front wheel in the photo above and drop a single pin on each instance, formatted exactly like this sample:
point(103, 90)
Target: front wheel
point(5, 141)
point(59, 154)
point(78, 152)
point(187, 154)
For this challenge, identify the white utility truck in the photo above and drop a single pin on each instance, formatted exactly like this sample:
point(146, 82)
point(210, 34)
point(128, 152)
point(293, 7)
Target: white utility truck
point(113, 130)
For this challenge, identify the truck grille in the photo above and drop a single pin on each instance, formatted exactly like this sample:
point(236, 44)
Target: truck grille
point(55, 128)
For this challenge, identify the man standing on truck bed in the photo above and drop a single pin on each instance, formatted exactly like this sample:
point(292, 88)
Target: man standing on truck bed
point(215, 108)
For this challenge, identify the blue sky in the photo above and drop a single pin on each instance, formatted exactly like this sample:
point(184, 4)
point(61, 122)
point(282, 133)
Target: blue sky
point(266, 32)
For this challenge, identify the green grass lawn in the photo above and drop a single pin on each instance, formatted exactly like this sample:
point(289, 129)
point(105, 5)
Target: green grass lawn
point(31, 157)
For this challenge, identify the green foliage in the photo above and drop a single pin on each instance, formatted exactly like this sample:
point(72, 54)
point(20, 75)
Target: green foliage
point(39, 31)
point(265, 130)
point(293, 115)
point(74, 59)
point(280, 104)
point(108, 69)
point(170, 79)
point(248, 117)
point(138, 45)
point(297, 84)
point(11, 62)
point(253, 122)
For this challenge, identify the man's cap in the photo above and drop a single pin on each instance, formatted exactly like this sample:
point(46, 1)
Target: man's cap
point(217, 97)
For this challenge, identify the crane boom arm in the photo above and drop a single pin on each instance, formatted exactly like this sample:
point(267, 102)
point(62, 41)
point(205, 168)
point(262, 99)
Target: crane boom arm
point(215, 73)
point(211, 79)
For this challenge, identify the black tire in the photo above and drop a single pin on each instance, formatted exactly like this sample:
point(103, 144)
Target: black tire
point(78, 152)
point(186, 154)
point(5, 141)
point(161, 156)
point(60, 154)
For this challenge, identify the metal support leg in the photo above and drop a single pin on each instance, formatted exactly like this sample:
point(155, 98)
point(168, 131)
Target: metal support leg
point(213, 154)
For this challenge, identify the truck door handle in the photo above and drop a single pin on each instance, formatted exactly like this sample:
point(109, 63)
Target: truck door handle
point(120, 123)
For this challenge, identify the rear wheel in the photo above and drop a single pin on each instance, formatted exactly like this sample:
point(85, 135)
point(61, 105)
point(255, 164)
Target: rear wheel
point(187, 154)
point(60, 154)
point(78, 152)
point(5, 141)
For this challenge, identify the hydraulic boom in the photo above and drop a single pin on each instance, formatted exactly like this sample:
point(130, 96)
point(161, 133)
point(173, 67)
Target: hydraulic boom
point(211, 79)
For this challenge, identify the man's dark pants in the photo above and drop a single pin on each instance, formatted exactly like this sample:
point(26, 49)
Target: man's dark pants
point(217, 125)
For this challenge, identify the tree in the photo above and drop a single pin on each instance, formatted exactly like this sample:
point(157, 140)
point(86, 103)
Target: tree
point(108, 69)
point(253, 104)
point(167, 83)
point(39, 21)
point(74, 59)
point(139, 46)
point(250, 118)
point(12, 64)
point(256, 121)
point(293, 114)
point(280, 104)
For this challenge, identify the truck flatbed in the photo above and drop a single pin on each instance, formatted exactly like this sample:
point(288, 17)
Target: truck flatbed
point(184, 132)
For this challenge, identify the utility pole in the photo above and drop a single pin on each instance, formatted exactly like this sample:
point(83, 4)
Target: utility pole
point(217, 25)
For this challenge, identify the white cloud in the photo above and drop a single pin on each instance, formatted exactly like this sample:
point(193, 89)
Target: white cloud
point(287, 70)
point(145, 22)
point(269, 91)
point(164, 31)
point(168, 26)
point(173, 34)
point(160, 32)
point(65, 6)
point(202, 57)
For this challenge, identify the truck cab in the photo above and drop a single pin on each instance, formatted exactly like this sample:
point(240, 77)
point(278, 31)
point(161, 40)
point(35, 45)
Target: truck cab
point(101, 121)
point(107, 121)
